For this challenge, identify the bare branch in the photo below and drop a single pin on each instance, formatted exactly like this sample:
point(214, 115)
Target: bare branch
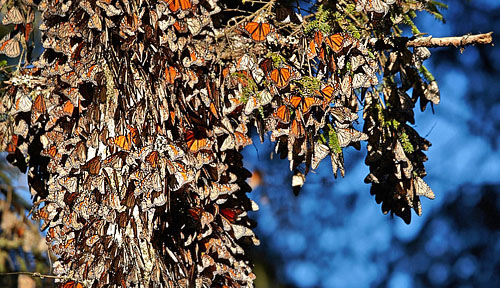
point(32, 274)
point(459, 41)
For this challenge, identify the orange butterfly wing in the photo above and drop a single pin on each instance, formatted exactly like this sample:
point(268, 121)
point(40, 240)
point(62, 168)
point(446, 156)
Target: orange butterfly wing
point(282, 114)
point(185, 4)
point(39, 104)
point(68, 108)
point(171, 74)
point(307, 103)
point(11, 147)
point(327, 94)
point(281, 77)
point(194, 144)
point(124, 142)
point(152, 159)
point(258, 31)
point(297, 129)
point(312, 52)
point(175, 5)
point(335, 42)
point(318, 38)
point(71, 284)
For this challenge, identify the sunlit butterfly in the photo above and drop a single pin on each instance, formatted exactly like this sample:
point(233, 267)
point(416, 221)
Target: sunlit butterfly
point(305, 102)
point(336, 41)
point(315, 46)
point(282, 114)
point(343, 114)
point(328, 93)
point(337, 160)
point(320, 152)
point(194, 143)
point(230, 214)
point(377, 6)
point(10, 46)
point(258, 31)
point(71, 284)
point(281, 76)
point(297, 129)
point(14, 16)
point(153, 158)
point(125, 141)
point(348, 135)
point(171, 74)
point(175, 5)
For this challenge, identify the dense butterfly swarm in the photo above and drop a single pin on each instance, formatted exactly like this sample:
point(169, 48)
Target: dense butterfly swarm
point(131, 122)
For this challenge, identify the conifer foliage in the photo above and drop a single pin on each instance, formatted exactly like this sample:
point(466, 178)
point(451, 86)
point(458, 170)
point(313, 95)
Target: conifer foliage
point(132, 120)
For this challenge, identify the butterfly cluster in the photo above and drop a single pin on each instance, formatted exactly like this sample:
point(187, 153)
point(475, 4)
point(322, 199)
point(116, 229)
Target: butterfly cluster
point(133, 118)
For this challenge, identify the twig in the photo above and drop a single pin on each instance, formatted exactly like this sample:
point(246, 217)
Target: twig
point(32, 274)
point(459, 41)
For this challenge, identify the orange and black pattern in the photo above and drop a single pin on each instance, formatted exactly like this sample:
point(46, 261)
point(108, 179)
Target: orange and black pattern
point(133, 118)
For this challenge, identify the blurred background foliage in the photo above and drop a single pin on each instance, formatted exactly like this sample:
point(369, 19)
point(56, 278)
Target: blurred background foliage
point(334, 234)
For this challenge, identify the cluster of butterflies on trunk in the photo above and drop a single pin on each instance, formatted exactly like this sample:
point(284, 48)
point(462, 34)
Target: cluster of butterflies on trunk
point(131, 122)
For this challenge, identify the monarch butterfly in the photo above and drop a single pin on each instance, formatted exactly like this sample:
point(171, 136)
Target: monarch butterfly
point(195, 144)
point(297, 129)
point(245, 63)
point(71, 284)
point(258, 31)
point(181, 27)
point(67, 108)
point(125, 142)
point(175, 5)
point(51, 151)
point(230, 214)
point(421, 188)
point(171, 74)
point(360, 80)
point(348, 135)
point(320, 152)
point(343, 114)
point(242, 139)
point(70, 183)
point(377, 6)
point(23, 103)
point(298, 180)
point(93, 165)
point(336, 41)
point(12, 146)
point(196, 24)
point(153, 159)
point(14, 16)
point(10, 46)
point(266, 65)
point(337, 160)
point(305, 102)
point(281, 76)
point(311, 51)
point(38, 108)
point(327, 93)
point(282, 114)
point(314, 44)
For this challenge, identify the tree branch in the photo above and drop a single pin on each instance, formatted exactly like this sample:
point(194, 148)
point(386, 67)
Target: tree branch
point(459, 41)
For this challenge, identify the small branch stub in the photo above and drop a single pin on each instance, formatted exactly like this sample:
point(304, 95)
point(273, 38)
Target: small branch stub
point(459, 41)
